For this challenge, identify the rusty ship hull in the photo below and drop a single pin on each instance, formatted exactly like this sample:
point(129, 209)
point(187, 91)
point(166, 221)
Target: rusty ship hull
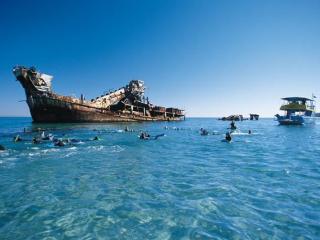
point(126, 104)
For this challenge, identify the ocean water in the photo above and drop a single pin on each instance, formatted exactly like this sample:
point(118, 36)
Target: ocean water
point(180, 186)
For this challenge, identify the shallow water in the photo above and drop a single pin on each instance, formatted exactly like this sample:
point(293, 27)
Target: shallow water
point(181, 186)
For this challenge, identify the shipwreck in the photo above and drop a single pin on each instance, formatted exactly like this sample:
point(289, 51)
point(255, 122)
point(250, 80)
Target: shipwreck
point(126, 104)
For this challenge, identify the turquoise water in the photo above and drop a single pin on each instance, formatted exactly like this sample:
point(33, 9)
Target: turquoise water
point(181, 186)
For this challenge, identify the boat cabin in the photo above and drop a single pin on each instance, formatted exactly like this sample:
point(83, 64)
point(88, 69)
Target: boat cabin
point(298, 105)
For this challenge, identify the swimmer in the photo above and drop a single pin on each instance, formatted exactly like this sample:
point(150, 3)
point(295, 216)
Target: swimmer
point(126, 129)
point(59, 143)
point(203, 132)
point(51, 137)
point(96, 138)
point(35, 140)
point(228, 137)
point(249, 132)
point(144, 135)
point(44, 136)
point(233, 126)
point(17, 138)
point(2, 148)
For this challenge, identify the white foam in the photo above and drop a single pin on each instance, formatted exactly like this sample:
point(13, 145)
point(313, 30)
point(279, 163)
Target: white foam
point(116, 148)
point(96, 148)
point(70, 154)
point(34, 154)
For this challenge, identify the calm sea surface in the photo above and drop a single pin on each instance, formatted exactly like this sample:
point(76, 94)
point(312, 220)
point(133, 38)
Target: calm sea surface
point(180, 186)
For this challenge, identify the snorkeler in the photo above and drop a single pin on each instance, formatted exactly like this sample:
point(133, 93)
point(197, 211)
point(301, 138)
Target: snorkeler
point(59, 143)
point(35, 140)
point(203, 132)
point(51, 137)
point(233, 126)
point(144, 135)
point(46, 137)
point(147, 136)
point(17, 138)
point(228, 137)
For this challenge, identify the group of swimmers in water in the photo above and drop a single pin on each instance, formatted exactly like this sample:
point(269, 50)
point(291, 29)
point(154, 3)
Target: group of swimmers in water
point(59, 142)
point(228, 137)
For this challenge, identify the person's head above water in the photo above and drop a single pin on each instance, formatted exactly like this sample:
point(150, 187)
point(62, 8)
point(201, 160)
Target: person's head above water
point(228, 137)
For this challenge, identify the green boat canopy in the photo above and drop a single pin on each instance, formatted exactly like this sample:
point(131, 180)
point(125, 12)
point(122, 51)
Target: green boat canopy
point(293, 99)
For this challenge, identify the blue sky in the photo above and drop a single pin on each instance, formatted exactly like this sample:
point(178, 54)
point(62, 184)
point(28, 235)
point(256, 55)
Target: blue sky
point(212, 58)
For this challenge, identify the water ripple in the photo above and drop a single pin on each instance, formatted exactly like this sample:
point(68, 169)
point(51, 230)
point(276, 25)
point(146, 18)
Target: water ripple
point(182, 186)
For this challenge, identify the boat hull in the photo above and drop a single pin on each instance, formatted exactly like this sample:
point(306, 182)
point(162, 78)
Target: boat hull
point(297, 120)
point(44, 109)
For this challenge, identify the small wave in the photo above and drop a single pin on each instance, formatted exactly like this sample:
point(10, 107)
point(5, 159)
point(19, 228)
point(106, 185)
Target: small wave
point(45, 151)
point(240, 133)
point(4, 153)
point(96, 148)
point(12, 158)
point(113, 149)
point(33, 154)
point(117, 148)
point(70, 154)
